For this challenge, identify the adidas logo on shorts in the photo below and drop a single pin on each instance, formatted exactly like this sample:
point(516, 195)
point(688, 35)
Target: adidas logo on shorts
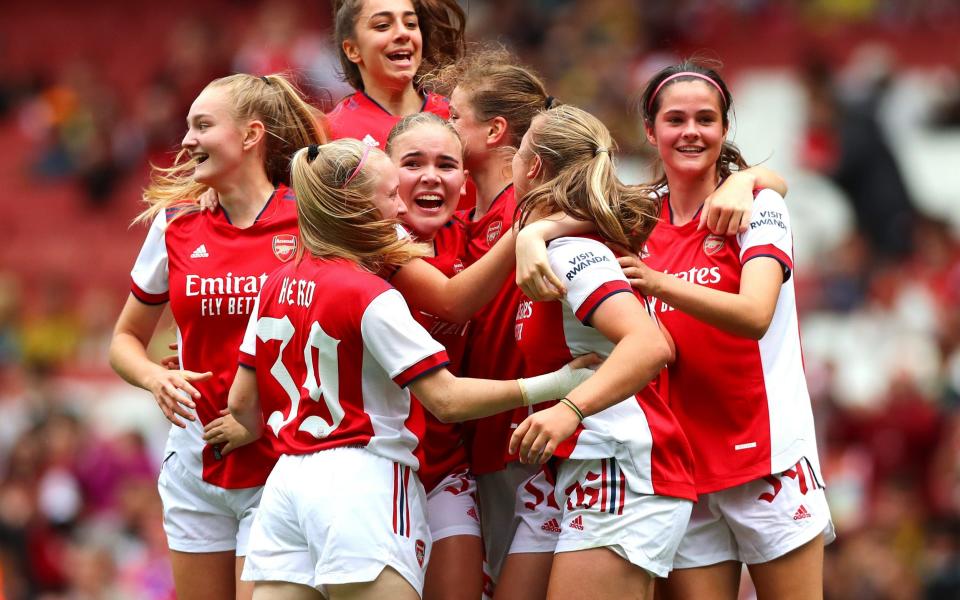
point(552, 526)
point(577, 523)
point(200, 252)
point(802, 513)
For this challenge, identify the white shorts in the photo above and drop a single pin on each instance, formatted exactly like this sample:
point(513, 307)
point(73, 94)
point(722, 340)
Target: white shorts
point(538, 514)
point(757, 521)
point(497, 493)
point(202, 517)
point(602, 509)
point(452, 507)
point(339, 516)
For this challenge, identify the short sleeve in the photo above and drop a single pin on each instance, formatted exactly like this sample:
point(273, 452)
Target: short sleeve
point(769, 234)
point(150, 277)
point(248, 347)
point(397, 342)
point(589, 270)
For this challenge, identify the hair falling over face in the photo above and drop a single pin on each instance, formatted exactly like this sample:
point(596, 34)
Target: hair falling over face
point(580, 179)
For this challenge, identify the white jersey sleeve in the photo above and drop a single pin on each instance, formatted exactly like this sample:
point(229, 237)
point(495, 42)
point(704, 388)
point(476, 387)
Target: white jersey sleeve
point(589, 270)
point(150, 274)
point(770, 233)
point(396, 341)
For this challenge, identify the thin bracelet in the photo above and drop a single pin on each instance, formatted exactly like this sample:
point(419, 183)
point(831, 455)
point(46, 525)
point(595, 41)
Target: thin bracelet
point(573, 407)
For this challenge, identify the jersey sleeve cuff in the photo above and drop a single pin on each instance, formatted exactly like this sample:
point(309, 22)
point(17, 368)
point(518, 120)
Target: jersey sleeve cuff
point(773, 252)
point(419, 369)
point(247, 360)
point(596, 298)
point(146, 297)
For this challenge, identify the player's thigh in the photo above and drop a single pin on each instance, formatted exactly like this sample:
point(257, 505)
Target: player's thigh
point(597, 573)
point(719, 581)
point(524, 576)
point(797, 575)
point(389, 584)
point(244, 588)
point(204, 575)
point(455, 570)
point(284, 590)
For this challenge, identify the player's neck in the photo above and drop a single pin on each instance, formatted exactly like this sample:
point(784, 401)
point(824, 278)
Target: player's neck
point(398, 102)
point(490, 178)
point(244, 199)
point(687, 196)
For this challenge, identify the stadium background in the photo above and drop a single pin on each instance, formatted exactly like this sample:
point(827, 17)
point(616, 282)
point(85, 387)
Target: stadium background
point(856, 102)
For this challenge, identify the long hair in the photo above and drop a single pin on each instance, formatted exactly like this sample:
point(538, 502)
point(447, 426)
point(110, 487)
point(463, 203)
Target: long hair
point(336, 217)
point(730, 158)
point(576, 151)
point(415, 120)
point(442, 25)
point(289, 122)
point(496, 86)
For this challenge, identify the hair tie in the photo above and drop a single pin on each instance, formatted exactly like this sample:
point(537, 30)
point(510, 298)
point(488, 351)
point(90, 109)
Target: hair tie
point(265, 80)
point(549, 102)
point(313, 151)
point(363, 159)
point(601, 149)
point(706, 78)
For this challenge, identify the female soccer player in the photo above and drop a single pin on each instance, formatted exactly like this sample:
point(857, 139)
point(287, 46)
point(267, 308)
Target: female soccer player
point(330, 350)
point(429, 156)
point(728, 302)
point(493, 101)
point(384, 46)
point(625, 488)
point(241, 132)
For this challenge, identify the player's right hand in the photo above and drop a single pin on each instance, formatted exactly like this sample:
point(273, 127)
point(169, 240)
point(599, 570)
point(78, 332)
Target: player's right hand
point(175, 395)
point(209, 200)
point(534, 276)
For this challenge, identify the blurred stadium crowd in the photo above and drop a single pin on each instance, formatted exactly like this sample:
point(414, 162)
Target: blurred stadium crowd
point(91, 93)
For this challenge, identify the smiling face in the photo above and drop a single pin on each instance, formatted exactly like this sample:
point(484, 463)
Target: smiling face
point(429, 158)
point(688, 129)
point(213, 137)
point(387, 45)
point(386, 197)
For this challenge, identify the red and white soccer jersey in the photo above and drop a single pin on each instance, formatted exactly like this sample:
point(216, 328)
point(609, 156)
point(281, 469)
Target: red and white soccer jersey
point(211, 273)
point(743, 403)
point(640, 431)
point(334, 348)
point(492, 351)
point(359, 116)
point(442, 445)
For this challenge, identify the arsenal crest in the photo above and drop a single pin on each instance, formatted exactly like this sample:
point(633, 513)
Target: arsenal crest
point(421, 549)
point(493, 232)
point(712, 244)
point(284, 246)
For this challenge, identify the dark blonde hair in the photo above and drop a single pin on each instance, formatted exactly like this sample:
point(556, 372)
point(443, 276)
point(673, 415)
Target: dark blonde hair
point(497, 86)
point(415, 120)
point(289, 123)
point(576, 150)
point(336, 216)
point(442, 25)
point(730, 158)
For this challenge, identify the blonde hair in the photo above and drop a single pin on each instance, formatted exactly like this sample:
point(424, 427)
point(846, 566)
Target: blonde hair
point(336, 216)
point(576, 150)
point(290, 123)
point(496, 86)
point(420, 119)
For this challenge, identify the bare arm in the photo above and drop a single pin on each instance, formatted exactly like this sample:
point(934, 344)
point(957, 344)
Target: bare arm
point(640, 353)
point(747, 313)
point(727, 210)
point(458, 298)
point(534, 275)
point(171, 389)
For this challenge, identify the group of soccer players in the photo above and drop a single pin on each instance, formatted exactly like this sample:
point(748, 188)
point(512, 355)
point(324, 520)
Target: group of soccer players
point(676, 441)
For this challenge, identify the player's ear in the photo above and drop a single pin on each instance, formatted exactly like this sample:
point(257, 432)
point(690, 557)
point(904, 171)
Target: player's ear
point(648, 131)
point(351, 50)
point(536, 168)
point(253, 133)
point(497, 131)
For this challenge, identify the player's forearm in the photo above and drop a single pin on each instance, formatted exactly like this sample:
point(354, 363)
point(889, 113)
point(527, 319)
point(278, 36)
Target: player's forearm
point(634, 362)
point(243, 401)
point(454, 399)
point(129, 359)
point(763, 177)
point(554, 226)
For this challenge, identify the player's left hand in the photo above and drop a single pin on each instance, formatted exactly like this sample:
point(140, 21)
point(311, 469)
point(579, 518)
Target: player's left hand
point(727, 210)
point(641, 277)
point(209, 200)
point(228, 431)
point(171, 362)
point(537, 438)
point(534, 276)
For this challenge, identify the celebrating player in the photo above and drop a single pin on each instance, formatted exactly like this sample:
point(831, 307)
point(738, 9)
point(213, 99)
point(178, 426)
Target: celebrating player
point(383, 44)
point(241, 132)
point(625, 488)
point(328, 355)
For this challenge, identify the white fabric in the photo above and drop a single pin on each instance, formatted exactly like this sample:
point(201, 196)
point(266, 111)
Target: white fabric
point(452, 507)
